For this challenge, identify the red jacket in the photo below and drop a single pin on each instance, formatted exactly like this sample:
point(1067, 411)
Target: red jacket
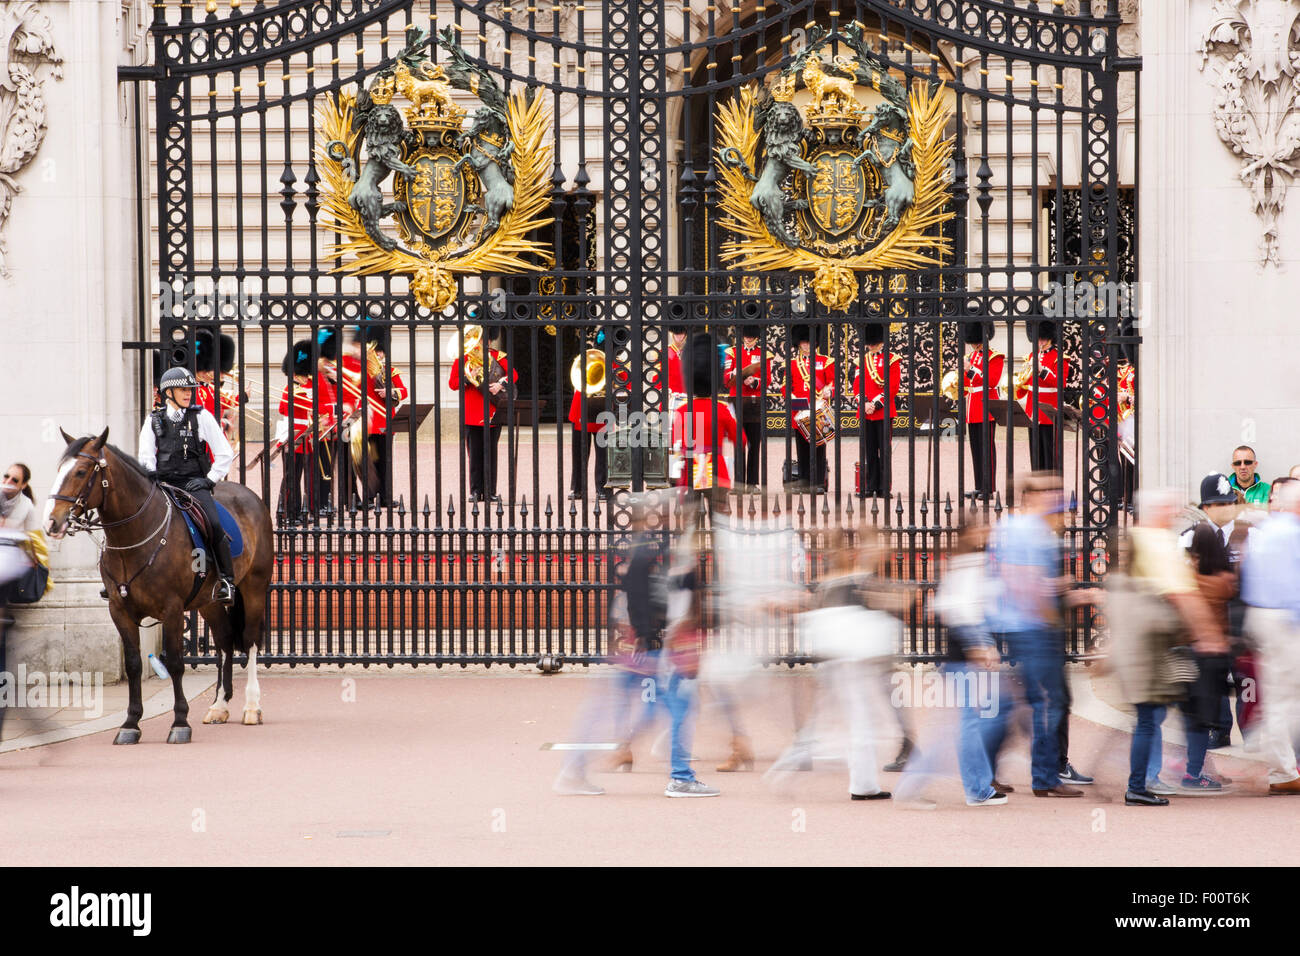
point(1042, 395)
point(975, 410)
point(823, 374)
point(302, 411)
point(875, 384)
point(575, 415)
point(748, 357)
point(693, 440)
point(472, 402)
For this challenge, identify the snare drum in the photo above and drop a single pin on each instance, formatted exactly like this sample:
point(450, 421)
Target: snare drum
point(824, 426)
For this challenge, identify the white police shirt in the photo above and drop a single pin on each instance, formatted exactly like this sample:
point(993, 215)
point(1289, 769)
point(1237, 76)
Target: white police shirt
point(209, 431)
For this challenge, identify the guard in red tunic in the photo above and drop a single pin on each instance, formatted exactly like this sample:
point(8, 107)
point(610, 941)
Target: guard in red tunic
point(1038, 391)
point(982, 373)
point(701, 426)
point(482, 423)
point(584, 410)
point(386, 392)
point(872, 390)
point(676, 384)
point(207, 361)
point(301, 482)
point(750, 372)
point(818, 370)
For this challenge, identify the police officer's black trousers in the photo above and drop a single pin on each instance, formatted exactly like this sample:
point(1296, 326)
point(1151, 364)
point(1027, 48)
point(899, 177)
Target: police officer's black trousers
point(218, 543)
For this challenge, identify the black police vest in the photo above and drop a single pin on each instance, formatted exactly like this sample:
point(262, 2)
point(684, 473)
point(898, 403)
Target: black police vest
point(181, 453)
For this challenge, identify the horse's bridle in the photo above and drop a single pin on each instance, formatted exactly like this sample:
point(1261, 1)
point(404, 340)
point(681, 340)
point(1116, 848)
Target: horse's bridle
point(76, 514)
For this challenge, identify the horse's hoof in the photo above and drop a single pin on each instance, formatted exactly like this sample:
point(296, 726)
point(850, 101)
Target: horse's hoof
point(127, 736)
point(179, 735)
point(252, 717)
point(214, 716)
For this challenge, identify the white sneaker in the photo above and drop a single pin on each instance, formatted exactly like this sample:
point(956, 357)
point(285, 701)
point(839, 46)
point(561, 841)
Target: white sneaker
point(576, 787)
point(690, 788)
point(994, 801)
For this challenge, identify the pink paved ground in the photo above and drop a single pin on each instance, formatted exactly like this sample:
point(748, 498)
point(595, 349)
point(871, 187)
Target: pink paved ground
point(438, 761)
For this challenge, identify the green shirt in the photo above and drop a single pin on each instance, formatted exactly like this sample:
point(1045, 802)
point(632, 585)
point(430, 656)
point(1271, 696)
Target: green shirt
point(1256, 494)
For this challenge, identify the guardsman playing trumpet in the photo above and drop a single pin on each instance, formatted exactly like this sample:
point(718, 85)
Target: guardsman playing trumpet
point(753, 373)
point(871, 391)
point(587, 376)
point(982, 369)
point(818, 371)
point(226, 409)
point(385, 387)
point(485, 385)
point(1038, 391)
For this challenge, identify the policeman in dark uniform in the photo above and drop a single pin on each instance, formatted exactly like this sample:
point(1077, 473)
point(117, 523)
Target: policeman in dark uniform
point(174, 445)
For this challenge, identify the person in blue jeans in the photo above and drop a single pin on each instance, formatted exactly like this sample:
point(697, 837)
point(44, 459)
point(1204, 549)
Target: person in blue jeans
point(1026, 563)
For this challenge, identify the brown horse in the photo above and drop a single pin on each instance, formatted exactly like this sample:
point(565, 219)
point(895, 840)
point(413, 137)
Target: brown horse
point(150, 570)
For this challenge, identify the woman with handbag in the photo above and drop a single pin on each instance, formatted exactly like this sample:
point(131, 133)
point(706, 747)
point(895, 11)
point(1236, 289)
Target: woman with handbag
point(1156, 613)
point(23, 574)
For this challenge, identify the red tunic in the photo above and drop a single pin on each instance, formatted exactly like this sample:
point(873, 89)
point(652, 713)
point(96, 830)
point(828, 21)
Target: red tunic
point(747, 358)
point(472, 401)
point(693, 441)
point(575, 415)
point(975, 412)
point(875, 385)
point(302, 411)
point(1044, 392)
point(823, 374)
point(326, 399)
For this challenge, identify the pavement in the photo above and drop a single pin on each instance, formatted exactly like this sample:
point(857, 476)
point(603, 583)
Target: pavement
point(448, 767)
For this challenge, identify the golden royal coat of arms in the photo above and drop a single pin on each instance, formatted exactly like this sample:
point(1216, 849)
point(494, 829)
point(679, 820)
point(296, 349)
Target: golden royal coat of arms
point(463, 198)
point(851, 188)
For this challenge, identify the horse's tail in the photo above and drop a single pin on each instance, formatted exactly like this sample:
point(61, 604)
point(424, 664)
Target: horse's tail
point(235, 615)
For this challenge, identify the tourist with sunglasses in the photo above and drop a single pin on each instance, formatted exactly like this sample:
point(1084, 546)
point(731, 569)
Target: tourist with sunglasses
point(1253, 488)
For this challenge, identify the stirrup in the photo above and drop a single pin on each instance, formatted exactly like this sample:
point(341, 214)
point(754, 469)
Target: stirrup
point(226, 591)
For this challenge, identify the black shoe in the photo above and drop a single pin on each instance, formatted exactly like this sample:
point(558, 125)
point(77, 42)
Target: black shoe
point(475, 497)
point(1144, 798)
point(575, 495)
point(1218, 740)
point(103, 592)
point(878, 795)
point(900, 762)
point(226, 591)
point(496, 499)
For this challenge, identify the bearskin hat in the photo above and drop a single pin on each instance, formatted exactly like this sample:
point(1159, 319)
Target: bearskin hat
point(300, 358)
point(328, 341)
point(873, 333)
point(974, 333)
point(205, 361)
point(704, 364)
point(1039, 330)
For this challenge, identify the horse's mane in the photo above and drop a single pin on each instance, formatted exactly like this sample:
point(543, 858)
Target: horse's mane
point(129, 460)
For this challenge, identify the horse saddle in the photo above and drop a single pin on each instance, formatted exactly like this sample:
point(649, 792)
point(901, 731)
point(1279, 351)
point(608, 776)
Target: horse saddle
point(198, 524)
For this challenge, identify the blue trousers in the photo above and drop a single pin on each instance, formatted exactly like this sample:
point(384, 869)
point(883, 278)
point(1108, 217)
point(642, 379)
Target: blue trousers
point(1042, 658)
point(1139, 755)
point(978, 739)
point(681, 698)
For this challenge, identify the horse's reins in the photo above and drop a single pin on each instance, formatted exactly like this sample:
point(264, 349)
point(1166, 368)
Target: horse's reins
point(76, 522)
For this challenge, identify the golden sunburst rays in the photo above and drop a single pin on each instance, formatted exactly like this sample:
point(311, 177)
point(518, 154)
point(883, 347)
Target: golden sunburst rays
point(504, 251)
point(913, 244)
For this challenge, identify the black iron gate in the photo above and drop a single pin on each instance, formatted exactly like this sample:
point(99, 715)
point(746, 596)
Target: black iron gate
point(634, 238)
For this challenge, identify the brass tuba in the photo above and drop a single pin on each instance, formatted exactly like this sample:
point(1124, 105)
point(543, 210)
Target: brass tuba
point(471, 349)
point(595, 381)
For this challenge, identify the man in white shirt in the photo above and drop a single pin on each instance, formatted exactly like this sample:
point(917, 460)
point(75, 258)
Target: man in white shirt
point(174, 444)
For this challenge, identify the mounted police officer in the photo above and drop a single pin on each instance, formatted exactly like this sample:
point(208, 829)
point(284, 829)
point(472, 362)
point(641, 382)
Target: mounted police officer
point(182, 444)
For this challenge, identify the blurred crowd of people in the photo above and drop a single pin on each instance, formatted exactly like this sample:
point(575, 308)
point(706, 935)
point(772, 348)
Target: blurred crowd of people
point(1200, 619)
